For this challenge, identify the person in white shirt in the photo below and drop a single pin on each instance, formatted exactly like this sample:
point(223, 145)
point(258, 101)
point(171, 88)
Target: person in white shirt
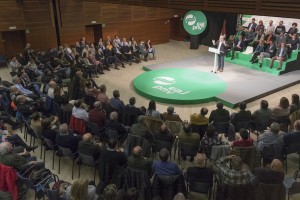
point(270, 27)
point(78, 112)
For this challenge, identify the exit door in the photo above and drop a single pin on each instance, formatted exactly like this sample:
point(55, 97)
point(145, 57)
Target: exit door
point(93, 33)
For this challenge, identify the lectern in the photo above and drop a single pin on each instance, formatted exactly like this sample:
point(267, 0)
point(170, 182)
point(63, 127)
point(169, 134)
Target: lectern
point(216, 52)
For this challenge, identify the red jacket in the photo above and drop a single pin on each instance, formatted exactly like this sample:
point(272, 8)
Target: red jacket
point(8, 180)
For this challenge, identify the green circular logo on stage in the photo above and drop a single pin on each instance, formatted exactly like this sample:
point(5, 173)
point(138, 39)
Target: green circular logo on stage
point(179, 86)
point(194, 22)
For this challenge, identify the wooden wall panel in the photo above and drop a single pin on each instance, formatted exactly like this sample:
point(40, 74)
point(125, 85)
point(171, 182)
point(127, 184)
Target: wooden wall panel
point(11, 14)
point(284, 8)
point(42, 39)
point(71, 12)
point(72, 34)
point(140, 30)
point(92, 12)
point(161, 3)
point(109, 13)
point(139, 13)
point(38, 14)
point(124, 13)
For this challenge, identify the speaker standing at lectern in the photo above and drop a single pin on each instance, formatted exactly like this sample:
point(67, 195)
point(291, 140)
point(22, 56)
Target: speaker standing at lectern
point(222, 48)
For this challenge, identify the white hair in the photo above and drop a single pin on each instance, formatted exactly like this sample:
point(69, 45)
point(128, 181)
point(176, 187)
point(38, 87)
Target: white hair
point(4, 148)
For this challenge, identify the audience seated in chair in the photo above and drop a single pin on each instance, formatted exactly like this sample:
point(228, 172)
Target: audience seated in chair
point(220, 114)
point(242, 116)
point(292, 137)
point(112, 161)
point(170, 115)
point(271, 174)
point(245, 140)
point(164, 167)
point(295, 105)
point(78, 111)
point(199, 122)
point(67, 139)
point(271, 137)
point(188, 137)
point(210, 139)
point(151, 110)
point(261, 118)
point(164, 134)
point(114, 124)
point(140, 129)
point(138, 162)
point(87, 147)
point(201, 172)
point(281, 56)
point(47, 131)
point(239, 45)
point(270, 52)
point(234, 175)
point(19, 161)
point(96, 115)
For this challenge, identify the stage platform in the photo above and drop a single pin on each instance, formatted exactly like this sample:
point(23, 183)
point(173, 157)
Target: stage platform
point(241, 83)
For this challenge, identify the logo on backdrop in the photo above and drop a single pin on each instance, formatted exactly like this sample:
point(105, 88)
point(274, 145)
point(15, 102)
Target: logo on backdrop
point(164, 80)
point(194, 22)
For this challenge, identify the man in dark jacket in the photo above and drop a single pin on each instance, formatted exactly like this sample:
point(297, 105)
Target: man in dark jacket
point(140, 129)
point(136, 161)
point(87, 147)
point(66, 139)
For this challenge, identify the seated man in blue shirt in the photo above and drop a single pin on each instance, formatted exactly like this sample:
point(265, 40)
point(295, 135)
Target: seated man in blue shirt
point(164, 167)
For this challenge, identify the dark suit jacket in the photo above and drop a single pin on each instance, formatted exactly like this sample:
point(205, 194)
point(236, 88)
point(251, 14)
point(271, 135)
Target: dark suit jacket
point(219, 116)
point(140, 164)
point(271, 50)
point(284, 52)
point(253, 27)
point(268, 176)
point(291, 137)
point(200, 174)
point(142, 131)
point(68, 141)
point(90, 149)
point(242, 44)
point(49, 134)
point(113, 125)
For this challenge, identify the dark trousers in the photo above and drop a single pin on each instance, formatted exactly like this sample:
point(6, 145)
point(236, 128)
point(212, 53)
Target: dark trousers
point(17, 141)
point(234, 49)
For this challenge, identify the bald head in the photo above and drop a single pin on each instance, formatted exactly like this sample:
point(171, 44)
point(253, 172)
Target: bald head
point(276, 165)
point(137, 152)
point(87, 137)
point(297, 125)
